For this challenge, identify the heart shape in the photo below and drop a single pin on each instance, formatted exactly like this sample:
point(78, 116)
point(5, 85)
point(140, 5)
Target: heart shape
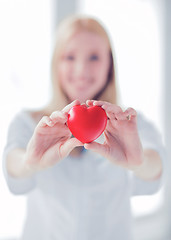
point(86, 123)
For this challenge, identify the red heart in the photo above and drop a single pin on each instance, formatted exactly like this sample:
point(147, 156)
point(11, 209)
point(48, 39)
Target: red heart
point(86, 123)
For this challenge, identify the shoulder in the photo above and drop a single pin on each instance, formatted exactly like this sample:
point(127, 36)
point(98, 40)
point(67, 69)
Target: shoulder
point(151, 137)
point(145, 124)
point(22, 121)
point(27, 116)
point(22, 117)
point(142, 120)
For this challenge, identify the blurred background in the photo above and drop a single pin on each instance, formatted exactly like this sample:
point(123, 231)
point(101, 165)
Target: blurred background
point(140, 32)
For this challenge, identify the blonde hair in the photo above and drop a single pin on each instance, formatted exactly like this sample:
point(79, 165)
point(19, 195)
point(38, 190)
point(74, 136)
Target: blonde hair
point(66, 29)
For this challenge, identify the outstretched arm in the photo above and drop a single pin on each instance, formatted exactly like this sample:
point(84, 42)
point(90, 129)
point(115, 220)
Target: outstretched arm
point(151, 168)
point(50, 143)
point(122, 144)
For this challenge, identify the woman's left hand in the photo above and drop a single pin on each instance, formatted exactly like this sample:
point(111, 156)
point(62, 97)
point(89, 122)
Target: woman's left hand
point(122, 144)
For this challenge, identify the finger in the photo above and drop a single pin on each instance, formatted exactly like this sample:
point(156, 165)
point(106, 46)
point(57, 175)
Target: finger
point(45, 121)
point(96, 103)
point(113, 111)
point(100, 103)
point(130, 113)
point(68, 146)
point(111, 116)
point(108, 107)
point(120, 115)
point(112, 108)
point(83, 104)
point(67, 108)
point(96, 147)
point(59, 116)
point(90, 102)
point(123, 116)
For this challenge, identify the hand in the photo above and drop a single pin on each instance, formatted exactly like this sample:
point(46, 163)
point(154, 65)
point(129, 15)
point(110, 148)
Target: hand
point(122, 145)
point(51, 141)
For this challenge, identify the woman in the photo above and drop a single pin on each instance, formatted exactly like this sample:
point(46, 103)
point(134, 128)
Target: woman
point(74, 193)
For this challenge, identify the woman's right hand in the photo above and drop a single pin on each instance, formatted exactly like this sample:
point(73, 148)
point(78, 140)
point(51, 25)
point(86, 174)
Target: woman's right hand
point(51, 140)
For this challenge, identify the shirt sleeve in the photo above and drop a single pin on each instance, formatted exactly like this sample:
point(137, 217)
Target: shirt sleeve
point(19, 133)
point(150, 139)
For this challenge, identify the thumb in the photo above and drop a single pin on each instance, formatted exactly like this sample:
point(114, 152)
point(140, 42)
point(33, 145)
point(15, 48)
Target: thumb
point(96, 147)
point(68, 146)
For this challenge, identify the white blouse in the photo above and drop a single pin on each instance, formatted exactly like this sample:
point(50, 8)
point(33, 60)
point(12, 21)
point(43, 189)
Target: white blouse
point(80, 198)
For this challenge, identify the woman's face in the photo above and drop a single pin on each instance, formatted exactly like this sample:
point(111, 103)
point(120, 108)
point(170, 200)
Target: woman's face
point(84, 66)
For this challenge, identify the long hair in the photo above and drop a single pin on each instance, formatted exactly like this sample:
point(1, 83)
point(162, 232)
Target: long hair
point(66, 29)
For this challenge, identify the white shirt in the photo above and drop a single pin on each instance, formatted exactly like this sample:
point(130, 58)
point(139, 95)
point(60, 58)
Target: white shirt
point(85, 198)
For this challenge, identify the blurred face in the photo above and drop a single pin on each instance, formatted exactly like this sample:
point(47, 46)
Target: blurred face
point(84, 66)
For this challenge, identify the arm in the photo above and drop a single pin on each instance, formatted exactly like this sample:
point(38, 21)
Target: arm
point(15, 164)
point(50, 143)
point(151, 168)
point(123, 145)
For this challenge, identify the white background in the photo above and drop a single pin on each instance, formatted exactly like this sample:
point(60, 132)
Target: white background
point(25, 54)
